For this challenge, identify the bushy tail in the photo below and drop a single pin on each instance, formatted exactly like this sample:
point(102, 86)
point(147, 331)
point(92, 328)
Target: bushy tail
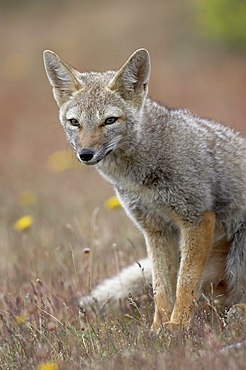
point(111, 292)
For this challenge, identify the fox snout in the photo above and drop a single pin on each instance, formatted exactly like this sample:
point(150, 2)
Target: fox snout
point(85, 155)
point(90, 157)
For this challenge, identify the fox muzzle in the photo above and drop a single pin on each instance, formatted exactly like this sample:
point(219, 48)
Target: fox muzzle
point(85, 155)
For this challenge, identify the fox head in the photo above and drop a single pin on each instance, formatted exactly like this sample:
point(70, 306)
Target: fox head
point(99, 111)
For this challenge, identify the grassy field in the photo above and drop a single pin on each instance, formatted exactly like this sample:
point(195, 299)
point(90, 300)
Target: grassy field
point(53, 209)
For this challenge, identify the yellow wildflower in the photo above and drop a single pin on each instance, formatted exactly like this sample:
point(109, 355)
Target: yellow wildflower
point(60, 161)
point(112, 202)
point(23, 223)
point(27, 198)
point(48, 366)
point(20, 319)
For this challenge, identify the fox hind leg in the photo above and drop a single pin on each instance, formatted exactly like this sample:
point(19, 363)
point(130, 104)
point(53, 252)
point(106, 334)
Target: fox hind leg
point(236, 265)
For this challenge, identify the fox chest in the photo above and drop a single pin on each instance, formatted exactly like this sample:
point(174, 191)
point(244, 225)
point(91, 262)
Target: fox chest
point(145, 207)
point(147, 196)
point(144, 200)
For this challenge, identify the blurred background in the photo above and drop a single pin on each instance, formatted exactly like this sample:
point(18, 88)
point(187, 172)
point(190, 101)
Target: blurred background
point(198, 50)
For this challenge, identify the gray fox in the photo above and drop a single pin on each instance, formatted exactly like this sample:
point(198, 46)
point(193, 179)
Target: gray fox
point(180, 178)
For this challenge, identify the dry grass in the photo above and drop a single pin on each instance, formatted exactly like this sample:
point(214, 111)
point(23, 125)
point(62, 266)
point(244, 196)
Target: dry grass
point(43, 267)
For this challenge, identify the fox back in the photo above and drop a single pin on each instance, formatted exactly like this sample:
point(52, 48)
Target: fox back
point(173, 172)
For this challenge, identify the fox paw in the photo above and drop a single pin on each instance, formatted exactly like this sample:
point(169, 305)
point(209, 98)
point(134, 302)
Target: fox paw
point(167, 327)
point(155, 327)
point(172, 327)
point(177, 327)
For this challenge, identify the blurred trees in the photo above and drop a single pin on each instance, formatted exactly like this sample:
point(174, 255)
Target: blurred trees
point(222, 21)
point(219, 21)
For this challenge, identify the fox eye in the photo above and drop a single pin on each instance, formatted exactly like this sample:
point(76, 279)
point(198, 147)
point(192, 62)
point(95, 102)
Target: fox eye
point(109, 121)
point(74, 122)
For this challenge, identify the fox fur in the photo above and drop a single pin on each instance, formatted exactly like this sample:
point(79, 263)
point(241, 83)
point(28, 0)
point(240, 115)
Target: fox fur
point(179, 177)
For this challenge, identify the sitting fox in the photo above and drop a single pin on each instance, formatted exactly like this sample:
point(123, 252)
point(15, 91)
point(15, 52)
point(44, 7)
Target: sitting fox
point(180, 178)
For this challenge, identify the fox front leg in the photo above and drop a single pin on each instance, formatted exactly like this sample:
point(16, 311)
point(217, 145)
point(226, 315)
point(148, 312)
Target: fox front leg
point(196, 244)
point(164, 255)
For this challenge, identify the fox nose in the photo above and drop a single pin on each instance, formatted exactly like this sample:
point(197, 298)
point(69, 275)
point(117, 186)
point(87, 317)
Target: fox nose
point(86, 155)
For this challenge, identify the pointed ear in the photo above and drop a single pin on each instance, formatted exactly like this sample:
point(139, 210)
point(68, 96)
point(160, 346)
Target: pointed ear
point(62, 77)
point(131, 81)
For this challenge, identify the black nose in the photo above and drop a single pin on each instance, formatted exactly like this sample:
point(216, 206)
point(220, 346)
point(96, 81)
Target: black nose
point(86, 155)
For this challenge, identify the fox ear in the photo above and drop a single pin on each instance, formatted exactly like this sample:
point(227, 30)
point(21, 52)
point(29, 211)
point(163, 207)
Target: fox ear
point(62, 77)
point(131, 81)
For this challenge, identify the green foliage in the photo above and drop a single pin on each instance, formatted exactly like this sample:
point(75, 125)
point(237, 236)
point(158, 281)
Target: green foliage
point(223, 21)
